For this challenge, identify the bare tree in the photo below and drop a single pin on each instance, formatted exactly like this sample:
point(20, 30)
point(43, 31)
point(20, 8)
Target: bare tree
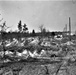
point(1, 19)
point(4, 27)
point(42, 30)
point(3, 30)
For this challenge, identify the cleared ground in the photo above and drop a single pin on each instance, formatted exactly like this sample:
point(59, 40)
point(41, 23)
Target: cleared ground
point(38, 68)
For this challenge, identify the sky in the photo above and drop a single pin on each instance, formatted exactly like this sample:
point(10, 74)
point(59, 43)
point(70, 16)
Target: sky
point(53, 14)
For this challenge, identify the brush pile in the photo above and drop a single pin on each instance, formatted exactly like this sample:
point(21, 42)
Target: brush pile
point(58, 53)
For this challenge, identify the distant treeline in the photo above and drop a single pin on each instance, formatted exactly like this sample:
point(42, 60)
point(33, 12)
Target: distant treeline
point(18, 35)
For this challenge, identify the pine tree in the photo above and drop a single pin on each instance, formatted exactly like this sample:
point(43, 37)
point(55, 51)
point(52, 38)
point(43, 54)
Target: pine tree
point(53, 34)
point(25, 28)
point(33, 32)
point(20, 26)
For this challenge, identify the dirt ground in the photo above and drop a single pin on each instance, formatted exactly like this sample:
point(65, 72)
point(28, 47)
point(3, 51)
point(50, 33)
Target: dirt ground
point(38, 69)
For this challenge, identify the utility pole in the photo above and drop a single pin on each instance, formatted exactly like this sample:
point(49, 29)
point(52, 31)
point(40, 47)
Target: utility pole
point(69, 29)
point(66, 29)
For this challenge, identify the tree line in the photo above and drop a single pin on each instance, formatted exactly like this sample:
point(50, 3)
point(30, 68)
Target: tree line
point(23, 31)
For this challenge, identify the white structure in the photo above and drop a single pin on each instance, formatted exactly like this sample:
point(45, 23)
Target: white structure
point(58, 37)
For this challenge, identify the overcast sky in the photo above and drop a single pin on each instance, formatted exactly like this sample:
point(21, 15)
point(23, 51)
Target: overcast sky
point(52, 14)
